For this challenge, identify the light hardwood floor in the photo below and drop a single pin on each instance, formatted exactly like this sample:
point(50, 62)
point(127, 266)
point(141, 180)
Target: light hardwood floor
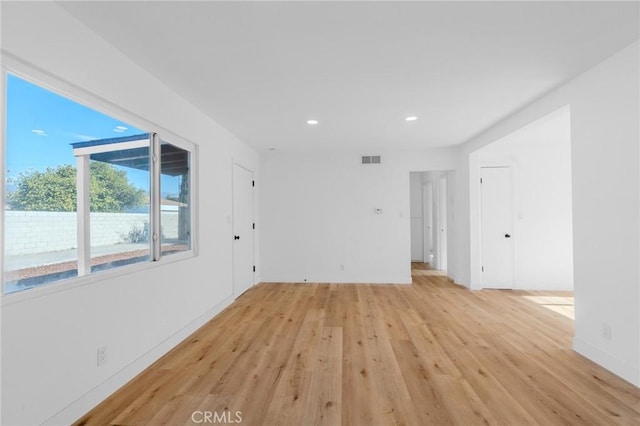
point(431, 353)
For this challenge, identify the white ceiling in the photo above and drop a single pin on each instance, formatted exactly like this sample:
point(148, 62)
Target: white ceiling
point(261, 69)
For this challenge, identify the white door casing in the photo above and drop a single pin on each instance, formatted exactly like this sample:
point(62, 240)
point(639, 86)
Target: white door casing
point(243, 230)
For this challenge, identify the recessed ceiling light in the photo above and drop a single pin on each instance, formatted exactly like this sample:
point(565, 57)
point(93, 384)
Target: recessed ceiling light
point(312, 122)
point(411, 118)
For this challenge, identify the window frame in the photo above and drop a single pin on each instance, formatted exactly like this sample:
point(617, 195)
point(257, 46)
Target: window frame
point(10, 64)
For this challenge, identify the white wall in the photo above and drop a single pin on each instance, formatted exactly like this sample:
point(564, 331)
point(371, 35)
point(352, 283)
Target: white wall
point(49, 342)
point(605, 117)
point(318, 213)
point(540, 157)
point(605, 114)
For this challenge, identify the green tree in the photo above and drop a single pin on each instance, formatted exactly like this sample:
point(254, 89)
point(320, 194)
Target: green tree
point(55, 190)
point(111, 190)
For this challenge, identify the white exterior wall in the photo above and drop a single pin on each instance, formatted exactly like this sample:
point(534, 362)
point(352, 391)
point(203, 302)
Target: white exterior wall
point(37, 232)
point(30, 232)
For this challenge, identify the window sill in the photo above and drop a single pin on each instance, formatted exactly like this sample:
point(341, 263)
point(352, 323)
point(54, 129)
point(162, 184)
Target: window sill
point(77, 282)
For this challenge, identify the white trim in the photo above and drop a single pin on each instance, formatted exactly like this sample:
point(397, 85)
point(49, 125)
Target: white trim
point(193, 151)
point(83, 184)
point(236, 163)
point(3, 173)
point(154, 199)
point(175, 140)
point(194, 165)
point(378, 280)
point(618, 367)
point(253, 230)
point(3, 98)
point(110, 147)
point(76, 282)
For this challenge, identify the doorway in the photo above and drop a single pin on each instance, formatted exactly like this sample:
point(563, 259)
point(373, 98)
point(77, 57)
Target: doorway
point(243, 230)
point(430, 202)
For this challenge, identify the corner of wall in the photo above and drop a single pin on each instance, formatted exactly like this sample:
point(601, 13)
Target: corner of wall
point(621, 369)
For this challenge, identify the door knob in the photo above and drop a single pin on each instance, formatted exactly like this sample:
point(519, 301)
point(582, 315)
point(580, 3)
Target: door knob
point(236, 237)
point(507, 235)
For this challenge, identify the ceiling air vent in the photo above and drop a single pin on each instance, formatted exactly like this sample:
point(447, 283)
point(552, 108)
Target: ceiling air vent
point(371, 159)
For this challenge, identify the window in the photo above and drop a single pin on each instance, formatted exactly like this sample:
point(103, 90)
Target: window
point(118, 210)
point(175, 205)
point(83, 193)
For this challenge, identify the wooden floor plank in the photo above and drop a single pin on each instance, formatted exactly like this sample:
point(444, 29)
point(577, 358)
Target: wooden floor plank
point(323, 400)
point(432, 353)
point(358, 392)
point(288, 403)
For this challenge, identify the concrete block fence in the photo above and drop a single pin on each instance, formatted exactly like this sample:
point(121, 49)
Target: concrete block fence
point(28, 232)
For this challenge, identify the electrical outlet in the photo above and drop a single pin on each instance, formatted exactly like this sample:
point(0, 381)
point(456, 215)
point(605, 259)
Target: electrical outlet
point(341, 267)
point(102, 355)
point(606, 331)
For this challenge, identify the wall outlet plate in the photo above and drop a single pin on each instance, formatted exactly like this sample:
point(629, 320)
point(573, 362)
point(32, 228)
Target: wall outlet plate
point(102, 355)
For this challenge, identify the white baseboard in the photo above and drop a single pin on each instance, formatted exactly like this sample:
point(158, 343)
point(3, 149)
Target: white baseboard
point(95, 396)
point(339, 280)
point(620, 368)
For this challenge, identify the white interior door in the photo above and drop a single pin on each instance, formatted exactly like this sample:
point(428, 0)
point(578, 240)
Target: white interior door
point(427, 198)
point(497, 226)
point(243, 265)
point(442, 223)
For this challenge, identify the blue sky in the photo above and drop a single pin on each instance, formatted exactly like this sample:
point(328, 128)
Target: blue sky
point(41, 125)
